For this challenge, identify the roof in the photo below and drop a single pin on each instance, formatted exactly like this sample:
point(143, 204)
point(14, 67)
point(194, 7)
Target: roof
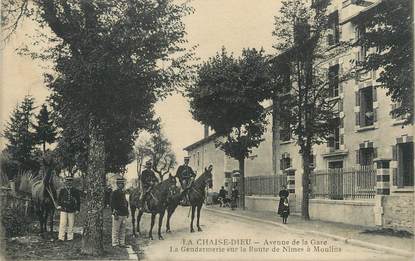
point(360, 13)
point(201, 142)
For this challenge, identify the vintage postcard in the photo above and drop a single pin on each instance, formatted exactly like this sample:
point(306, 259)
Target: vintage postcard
point(207, 130)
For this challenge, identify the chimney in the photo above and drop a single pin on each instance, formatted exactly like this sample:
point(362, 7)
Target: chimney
point(206, 131)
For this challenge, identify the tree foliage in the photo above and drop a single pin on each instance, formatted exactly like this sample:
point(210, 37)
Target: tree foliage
point(389, 33)
point(45, 130)
point(227, 96)
point(158, 149)
point(20, 135)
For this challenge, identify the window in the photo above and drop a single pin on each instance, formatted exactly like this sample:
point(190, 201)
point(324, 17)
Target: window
point(336, 164)
point(360, 34)
point(333, 34)
point(366, 107)
point(285, 163)
point(334, 138)
point(406, 164)
point(367, 156)
point(198, 158)
point(334, 81)
point(285, 131)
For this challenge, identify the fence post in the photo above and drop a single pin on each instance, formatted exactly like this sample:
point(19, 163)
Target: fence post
point(382, 187)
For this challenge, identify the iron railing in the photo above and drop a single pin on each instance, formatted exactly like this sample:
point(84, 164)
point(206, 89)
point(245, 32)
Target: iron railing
point(343, 183)
point(264, 185)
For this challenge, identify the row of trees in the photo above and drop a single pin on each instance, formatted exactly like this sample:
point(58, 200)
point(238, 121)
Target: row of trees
point(112, 60)
point(228, 91)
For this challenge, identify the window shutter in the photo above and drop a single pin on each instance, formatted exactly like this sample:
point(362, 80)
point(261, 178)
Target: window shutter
point(340, 78)
point(394, 153)
point(357, 115)
point(375, 98)
point(358, 157)
point(394, 105)
point(394, 177)
point(281, 166)
point(289, 163)
point(375, 153)
point(357, 98)
point(375, 115)
point(342, 139)
point(340, 105)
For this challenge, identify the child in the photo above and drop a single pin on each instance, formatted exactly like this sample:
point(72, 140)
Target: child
point(285, 211)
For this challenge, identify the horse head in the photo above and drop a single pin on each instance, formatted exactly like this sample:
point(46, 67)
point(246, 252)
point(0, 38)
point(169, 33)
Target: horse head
point(208, 176)
point(173, 189)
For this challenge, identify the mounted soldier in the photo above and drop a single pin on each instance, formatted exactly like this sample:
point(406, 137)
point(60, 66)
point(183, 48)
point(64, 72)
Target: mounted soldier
point(186, 176)
point(148, 180)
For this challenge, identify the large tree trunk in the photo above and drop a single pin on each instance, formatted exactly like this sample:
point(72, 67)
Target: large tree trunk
point(306, 177)
point(92, 240)
point(242, 178)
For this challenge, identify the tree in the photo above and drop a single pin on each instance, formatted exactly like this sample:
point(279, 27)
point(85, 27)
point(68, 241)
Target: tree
point(158, 149)
point(45, 131)
point(113, 60)
point(388, 31)
point(227, 96)
point(19, 134)
point(302, 85)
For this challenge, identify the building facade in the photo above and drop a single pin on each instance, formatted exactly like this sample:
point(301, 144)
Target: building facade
point(364, 174)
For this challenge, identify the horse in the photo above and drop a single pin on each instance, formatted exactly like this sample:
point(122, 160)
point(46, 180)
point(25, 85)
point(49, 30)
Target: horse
point(197, 195)
point(43, 191)
point(157, 204)
point(173, 202)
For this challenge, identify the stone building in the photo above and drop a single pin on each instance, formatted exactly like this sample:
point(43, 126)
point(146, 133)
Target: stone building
point(363, 175)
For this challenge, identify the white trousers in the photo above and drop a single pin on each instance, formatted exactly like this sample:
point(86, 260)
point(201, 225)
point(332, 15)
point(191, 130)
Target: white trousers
point(66, 225)
point(118, 230)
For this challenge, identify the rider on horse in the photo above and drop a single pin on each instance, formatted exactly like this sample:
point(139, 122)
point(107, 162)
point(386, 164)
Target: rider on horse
point(148, 180)
point(186, 176)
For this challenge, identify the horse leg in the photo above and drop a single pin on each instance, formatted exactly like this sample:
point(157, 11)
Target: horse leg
point(150, 233)
point(133, 219)
point(193, 216)
point(140, 214)
point(199, 208)
point(161, 215)
point(52, 213)
point(45, 219)
point(169, 214)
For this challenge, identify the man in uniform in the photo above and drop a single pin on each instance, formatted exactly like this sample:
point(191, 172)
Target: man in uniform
point(69, 203)
point(148, 180)
point(186, 176)
point(119, 207)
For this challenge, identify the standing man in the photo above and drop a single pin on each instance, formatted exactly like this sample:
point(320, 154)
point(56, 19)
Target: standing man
point(119, 207)
point(148, 180)
point(186, 177)
point(234, 196)
point(69, 203)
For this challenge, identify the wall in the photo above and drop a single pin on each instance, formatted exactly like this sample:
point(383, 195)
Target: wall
point(343, 211)
point(399, 211)
point(263, 203)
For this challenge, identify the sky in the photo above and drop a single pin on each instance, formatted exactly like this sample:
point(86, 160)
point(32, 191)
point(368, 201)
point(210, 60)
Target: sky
point(235, 24)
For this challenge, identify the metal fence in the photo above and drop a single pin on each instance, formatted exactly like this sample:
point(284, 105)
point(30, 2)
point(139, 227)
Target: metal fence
point(264, 185)
point(344, 183)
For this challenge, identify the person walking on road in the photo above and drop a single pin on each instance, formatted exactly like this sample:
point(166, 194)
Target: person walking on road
point(69, 204)
point(119, 207)
point(283, 207)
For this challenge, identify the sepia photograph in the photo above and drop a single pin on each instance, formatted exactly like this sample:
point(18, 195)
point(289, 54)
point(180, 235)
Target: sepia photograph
point(207, 130)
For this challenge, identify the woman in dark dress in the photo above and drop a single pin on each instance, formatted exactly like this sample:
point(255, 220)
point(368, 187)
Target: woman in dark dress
point(282, 209)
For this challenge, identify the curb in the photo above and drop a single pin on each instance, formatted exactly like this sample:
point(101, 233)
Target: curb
point(350, 241)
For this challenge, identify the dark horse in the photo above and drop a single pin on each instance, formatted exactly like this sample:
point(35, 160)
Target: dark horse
point(158, 201)
point(197, 195)
point(42, 189)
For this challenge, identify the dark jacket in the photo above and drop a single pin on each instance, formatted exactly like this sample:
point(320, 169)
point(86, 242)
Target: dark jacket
point(185, 172)
point(148, 177)
point(118, 203)
point(283, 195)
point(69, 200)
point(222, 193)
